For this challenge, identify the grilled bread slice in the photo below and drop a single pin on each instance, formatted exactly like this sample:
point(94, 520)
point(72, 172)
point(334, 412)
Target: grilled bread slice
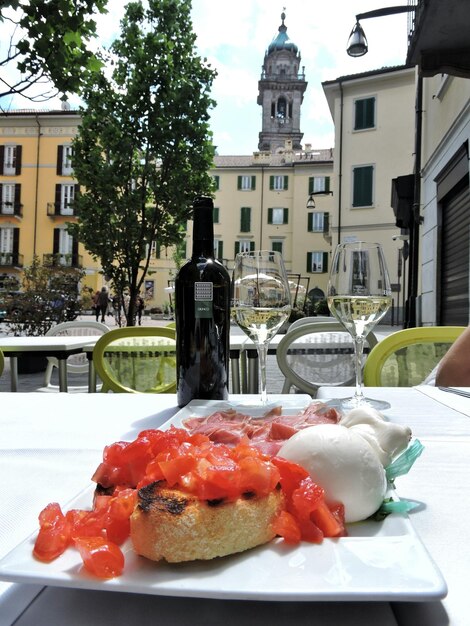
point(173, 525)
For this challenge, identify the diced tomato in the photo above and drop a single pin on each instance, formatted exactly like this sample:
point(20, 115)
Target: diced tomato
point(175, 468)
point(291, 474)
point(285, 525)
point(100, 557)
point(307, 497)
point(54, 533)
point(258, 476)
point(326, 521)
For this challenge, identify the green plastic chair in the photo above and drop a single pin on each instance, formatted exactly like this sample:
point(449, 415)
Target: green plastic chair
point(318, 354)
point(137, 360)
point(406, 357)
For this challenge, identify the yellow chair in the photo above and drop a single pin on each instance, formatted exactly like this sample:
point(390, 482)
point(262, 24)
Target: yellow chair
point(406, 357)
point(137, 360)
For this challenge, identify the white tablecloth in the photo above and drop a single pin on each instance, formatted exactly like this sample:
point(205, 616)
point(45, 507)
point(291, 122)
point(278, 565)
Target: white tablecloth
point(50, 444)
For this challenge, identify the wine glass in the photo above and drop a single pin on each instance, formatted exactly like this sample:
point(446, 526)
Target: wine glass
point(359, 295)
point(261, 301)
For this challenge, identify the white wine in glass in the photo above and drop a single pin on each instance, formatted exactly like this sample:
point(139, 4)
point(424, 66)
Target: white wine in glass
point(261, 301)
point(359, 295)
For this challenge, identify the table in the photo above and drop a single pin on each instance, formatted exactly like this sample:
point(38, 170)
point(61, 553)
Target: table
point(44, 434)
point(60, 347)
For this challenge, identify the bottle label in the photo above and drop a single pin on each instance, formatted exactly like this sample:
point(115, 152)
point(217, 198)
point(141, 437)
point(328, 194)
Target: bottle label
point(203, 296)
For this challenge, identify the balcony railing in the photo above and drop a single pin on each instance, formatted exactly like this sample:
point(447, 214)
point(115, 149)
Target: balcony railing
point(55, 209)
point(11, 259)
point(11, 208)
point(63, 260)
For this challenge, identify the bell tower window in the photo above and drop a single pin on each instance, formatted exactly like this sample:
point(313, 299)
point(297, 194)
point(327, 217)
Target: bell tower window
point(282, 107)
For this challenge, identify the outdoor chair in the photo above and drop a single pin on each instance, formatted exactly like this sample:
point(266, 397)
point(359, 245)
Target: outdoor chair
point(318, 354)
point(137, 360)
point(77, 363)
point(2, 362)
point(310, 319)
point(406, 357)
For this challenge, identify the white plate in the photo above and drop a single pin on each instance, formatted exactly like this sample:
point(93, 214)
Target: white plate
point(377, 561)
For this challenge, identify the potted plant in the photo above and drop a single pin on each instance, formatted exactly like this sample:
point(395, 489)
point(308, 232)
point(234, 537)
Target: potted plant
point(49, 296)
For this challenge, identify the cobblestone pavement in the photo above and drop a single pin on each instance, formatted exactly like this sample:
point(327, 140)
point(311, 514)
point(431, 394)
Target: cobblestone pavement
point(78, 383)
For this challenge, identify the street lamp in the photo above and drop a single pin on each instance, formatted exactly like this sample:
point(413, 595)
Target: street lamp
point(357, 42)
point(311, 201)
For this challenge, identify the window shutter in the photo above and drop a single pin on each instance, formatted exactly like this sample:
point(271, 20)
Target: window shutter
point(270, 216)
point(55, 243)
point(16, 242)
point(326, 222)
point(239, 182)
point(60, 153)
point(310, 185)
point(237, 247)
point(216, 215)
point(362, 192)
point(19, 150)
point(253, 183)
point(327, 183)
point(2, 159)
point(16, 208)
point(75, 252)
point(286, 183)
point(309, 261)
point(245, 219)
point(325, 262)
point(310, 222)
point(286, 216)
point(58, 195)
point(220, 251)
point(252, 246)
point(271, 182)
point(216, 182)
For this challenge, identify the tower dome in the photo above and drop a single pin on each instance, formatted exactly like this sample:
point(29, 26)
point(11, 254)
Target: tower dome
point(281, 41)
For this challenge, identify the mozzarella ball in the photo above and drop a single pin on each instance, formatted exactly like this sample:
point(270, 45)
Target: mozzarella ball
point(343, 463)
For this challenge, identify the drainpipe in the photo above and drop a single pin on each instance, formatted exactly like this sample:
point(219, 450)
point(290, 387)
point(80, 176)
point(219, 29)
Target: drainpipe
point(340, 169)
point(36, 191)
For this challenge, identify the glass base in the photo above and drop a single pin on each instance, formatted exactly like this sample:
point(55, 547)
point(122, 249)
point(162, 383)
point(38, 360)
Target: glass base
point(347, 404)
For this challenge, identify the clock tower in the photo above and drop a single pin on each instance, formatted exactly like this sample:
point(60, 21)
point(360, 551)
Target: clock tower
point(280, 93)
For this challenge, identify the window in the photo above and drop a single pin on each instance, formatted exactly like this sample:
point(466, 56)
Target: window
point(278, 183)
point(244, 245)
point(246, 183)
point(364, 113)
point(318, 184)
point(215, 215)
point(277, 215)
point(9, 240)
point(317, 262)
point(363, 178)
point(64, 197)
point(216, 182)
point(218, 249)
point(245, 219)
point(10, 199)
point(10, 160)
point(65, 248)
point(64, 160)
point(276, 246)
point(318, 222)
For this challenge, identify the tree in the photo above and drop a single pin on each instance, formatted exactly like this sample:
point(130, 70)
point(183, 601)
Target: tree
point(48, 44)
point(143, 149)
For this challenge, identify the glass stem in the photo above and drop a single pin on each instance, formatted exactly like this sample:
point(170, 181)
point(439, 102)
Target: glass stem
point(262, 354)
point(358, 352)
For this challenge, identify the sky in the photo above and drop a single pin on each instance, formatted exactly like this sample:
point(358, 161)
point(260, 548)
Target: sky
point(234, 36)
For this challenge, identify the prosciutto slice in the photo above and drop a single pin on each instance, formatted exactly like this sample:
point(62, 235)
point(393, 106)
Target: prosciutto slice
point(266, 433)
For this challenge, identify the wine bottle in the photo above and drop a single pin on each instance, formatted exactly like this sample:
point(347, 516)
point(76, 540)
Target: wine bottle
point(202, 309)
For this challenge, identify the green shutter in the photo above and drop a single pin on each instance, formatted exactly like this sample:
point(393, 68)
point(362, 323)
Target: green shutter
point(286, 183)
point(239, 182)
point(216, 182)
point(364, 116)
point(271, 182)
point(253, 183)
point(237, 247)
point(220, 250)
point(326, 222)
point(310, 222)
point(252, 246)
point(310, 185)
point(245, 219)
point(325, 262)
point(270, 216)
point(327, 183)
point(309, 261)
point(216, 215)
point(285, 219)
point(277, 246)
point(362, 190)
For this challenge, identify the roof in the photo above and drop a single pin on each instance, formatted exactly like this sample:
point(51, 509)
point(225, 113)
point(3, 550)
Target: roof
point(378, 72)
point(286, 158)
point(281, 41)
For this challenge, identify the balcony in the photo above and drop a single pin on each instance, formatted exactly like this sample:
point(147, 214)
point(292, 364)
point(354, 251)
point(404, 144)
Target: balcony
point(439, 37)
point(57, 209)
point(9, 209)
point(11, 259)
point(63, 260)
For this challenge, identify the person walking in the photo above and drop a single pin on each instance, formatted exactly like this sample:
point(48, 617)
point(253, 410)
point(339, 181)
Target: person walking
point(139, 308)
point(101, 304)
